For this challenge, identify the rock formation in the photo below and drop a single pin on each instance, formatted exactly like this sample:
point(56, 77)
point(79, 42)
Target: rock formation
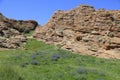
point(11, 31)
point(84, 30)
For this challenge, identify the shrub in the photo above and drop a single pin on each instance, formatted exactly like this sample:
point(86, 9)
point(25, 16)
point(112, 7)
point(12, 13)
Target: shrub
point(55, 57)
point(34, 62)
point(24, 64)
point(37, 53)
point(40, 53)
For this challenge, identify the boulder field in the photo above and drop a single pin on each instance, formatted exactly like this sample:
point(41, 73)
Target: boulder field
point(84, 30)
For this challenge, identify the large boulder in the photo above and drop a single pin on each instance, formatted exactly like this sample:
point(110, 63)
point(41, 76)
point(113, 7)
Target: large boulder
point(84, 30)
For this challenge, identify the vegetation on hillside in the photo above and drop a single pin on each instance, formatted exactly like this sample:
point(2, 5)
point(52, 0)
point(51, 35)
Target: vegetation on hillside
point(40, 61)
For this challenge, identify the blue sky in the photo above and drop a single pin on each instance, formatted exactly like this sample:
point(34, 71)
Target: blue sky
point(41, 10)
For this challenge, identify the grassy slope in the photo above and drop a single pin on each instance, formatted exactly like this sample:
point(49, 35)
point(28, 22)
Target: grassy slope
point(35, 64)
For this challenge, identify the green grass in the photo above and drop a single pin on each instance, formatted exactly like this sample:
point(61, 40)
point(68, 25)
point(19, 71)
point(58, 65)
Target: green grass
point(29, 33)
point(40, 61)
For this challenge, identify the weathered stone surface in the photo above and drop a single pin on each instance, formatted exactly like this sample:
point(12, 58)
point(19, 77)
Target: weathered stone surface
point(23, 26)
point(84, 30)
point(11, 31)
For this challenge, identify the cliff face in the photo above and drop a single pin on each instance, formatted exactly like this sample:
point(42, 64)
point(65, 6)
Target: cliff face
point(11, 31)
point(84, 30)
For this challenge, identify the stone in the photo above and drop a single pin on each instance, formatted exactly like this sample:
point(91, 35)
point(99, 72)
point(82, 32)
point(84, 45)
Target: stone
point(82, 27)
point(12, 31)
point(23, 25)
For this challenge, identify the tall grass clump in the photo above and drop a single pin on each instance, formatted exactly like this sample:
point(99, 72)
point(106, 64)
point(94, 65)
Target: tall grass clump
point(8, 72)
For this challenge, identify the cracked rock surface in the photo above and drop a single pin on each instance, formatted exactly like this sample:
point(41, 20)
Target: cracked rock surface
point(84, 30)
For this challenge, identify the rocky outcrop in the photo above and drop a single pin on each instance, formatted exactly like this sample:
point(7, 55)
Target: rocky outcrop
point(84, 30)
point(24, 26)
point(11, 31)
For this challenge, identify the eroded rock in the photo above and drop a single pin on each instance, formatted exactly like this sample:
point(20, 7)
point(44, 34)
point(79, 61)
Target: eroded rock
point(83, 30)
point(11, 31)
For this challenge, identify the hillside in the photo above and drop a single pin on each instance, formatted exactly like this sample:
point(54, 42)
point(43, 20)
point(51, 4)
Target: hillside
point(84, 30)
point(62, 48)
point(45, 62)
